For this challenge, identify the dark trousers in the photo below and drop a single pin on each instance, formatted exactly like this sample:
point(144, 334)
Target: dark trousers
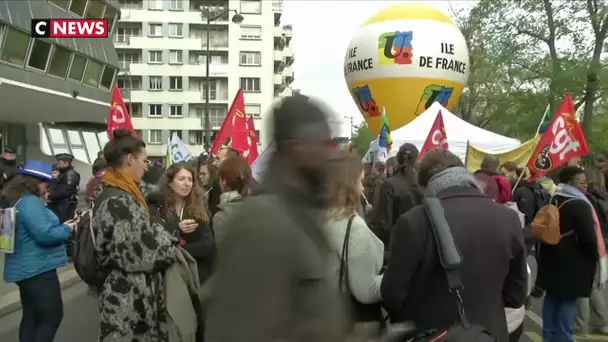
point(42, 307)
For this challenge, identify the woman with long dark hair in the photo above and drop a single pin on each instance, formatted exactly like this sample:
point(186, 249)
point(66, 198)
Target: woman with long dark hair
point(39, 250)
point(180, 203)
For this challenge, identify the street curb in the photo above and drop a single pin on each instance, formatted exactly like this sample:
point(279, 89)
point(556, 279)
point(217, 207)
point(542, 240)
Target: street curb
point(10, 302)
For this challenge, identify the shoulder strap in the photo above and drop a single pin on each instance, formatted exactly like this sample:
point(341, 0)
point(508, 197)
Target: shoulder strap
point(566, 201)
point(343, 281)
point(448, 253)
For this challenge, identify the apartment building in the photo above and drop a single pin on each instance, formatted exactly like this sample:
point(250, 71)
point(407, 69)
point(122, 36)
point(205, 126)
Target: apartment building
point(55, 93)
point(161, 47)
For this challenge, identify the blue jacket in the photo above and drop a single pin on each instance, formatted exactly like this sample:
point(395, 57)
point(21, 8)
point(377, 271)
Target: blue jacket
point(39, 244)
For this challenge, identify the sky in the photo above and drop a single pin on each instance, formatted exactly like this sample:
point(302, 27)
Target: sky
point(322, 30)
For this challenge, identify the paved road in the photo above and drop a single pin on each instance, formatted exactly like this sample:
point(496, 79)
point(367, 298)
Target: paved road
point(81, 319)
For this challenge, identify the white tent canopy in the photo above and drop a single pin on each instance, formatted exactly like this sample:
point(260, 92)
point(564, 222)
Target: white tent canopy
point(459, 132)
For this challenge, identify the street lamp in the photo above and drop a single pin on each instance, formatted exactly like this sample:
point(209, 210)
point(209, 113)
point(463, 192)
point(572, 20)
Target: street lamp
point(237, 19)
point(352, 125)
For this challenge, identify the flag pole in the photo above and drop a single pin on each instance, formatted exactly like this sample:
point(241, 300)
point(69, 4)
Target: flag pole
point(466, 155)
point(540, 124)
point(521, 176)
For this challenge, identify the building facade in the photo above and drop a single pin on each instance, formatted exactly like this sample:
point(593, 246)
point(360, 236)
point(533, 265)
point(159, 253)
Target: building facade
point(49, 88)
point(161, 47)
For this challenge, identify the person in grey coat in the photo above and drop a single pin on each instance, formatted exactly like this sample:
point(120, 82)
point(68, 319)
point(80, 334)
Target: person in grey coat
point(272, 281)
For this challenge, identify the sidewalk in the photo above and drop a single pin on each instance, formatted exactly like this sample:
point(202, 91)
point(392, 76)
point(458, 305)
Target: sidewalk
point(10, 302)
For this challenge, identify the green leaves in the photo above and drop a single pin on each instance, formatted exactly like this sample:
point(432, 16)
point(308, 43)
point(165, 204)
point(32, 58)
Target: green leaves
point(528, 53)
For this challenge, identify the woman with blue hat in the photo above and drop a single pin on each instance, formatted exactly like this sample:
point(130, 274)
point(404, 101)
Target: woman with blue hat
point(39, 251)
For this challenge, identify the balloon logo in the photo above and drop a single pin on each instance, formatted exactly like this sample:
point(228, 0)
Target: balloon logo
point(404, 58)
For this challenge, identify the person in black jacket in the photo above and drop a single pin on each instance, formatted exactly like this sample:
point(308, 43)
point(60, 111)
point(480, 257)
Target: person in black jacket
point(8, 166)
point(567, 270)
point(180, 203)
point(398, 194)
point(64, 195)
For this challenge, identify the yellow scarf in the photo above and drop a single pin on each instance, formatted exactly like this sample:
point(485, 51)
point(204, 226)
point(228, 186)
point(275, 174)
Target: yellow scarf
point(120, 180)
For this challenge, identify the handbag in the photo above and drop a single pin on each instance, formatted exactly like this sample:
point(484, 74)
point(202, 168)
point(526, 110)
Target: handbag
point(450, 259)
point(360, 312)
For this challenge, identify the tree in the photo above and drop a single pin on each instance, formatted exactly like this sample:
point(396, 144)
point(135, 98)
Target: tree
point(361, 139)
point(525, 54)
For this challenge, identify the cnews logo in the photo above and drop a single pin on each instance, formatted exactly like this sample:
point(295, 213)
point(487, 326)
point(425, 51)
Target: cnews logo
point(69, 28)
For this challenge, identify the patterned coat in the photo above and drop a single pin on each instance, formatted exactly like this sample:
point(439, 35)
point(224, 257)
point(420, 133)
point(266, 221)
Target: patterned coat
point(136, 250)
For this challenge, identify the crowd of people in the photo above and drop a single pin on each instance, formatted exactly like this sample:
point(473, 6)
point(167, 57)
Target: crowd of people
point(323, 249)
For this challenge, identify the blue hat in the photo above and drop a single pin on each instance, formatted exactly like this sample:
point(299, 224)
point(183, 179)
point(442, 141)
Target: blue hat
point(38, 169)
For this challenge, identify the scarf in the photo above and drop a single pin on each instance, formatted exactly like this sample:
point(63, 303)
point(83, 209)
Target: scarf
point(229, 196)
point(453, 177)
point(120, 180)
point(601, 275)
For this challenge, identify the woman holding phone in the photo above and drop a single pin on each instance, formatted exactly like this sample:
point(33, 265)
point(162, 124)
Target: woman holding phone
point(39, 251)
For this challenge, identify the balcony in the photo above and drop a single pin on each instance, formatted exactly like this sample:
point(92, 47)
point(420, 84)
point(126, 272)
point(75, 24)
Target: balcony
point(287, 30)
point(186, 17)
point(277, 8)
point(288, 72)
point(279, 59)
point(278, 32)
point(186, 96)
point(121, 41)
point(191, 70)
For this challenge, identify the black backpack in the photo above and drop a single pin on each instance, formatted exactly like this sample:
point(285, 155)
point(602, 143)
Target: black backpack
point(541, 198)
point(84, 254)
point(450, 259)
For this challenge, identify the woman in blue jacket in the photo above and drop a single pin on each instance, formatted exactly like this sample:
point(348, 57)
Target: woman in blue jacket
point(39, 251)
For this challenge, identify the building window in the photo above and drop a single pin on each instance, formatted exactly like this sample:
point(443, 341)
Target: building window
point(129, 83)
point(176, 30)
point(175, 57)
point(155, 136)
point(39, 55)
point(217, 114)
point(155, 30)
point(77, 7)
point(199, 58)
point(175, 132)
point(15, 46)
point(176, 5)
point(123, 34)
point(135, 109)
point(91, 76)
point(107, 77)
point(94, 10)
point(155, 5)
point(126, 58)
point(250, 84)
point(63, 4)
point(59, 61)
point(156, 82)
point(155, 110)
point(131, 4)
point(155, 57)
point(195, 137)
point(175, 83)
point(251, 59)
point(254, 110)
point(175, 110)
point(251, 6)
point(251, 32)
point(77, 68)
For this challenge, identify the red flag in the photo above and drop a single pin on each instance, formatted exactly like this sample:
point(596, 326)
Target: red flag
point(233, 133)
point(563, 140)
point(118, 117)
point(253, 142)
point(436, 138)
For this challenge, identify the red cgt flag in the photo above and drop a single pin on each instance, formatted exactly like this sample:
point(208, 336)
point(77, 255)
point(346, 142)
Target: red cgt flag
point(118, 117)
point(563, 140)
point(436, 139)
point(233, 133)
point(253, 153)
